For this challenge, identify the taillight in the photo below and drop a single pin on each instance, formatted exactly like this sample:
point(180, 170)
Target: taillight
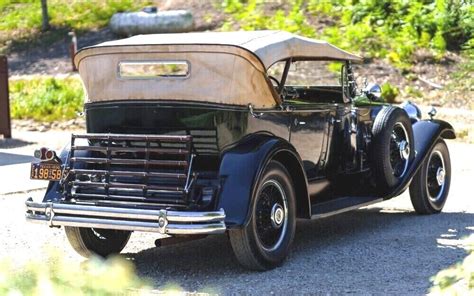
point(45, 154)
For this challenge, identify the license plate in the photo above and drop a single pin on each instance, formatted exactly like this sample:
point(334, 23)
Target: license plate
point(45, 171)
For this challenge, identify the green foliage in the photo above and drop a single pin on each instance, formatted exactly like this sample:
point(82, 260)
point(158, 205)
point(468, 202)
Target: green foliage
point(463, 79)
point(114, 276)
point(455, 280)
point(22, 18)
point(76, 14)
point(46, 98)
point(392, 29)
point(250, 15)
point(411, 91)
point(389, 92)
point(397, 28)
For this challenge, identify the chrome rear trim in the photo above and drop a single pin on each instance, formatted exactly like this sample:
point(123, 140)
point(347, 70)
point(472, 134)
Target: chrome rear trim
point(161, 221)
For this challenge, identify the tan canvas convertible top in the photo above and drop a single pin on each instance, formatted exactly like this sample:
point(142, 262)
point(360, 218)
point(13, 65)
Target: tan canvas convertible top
point(224, 67)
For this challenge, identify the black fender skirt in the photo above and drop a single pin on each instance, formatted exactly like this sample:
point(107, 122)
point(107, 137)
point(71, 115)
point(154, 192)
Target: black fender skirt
point(241, 169)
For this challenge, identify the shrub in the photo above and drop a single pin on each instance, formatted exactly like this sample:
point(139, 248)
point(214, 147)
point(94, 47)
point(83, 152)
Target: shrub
point(389, 92)
point(45, 98)
point(455, 280)
point(392, 29)
point(250, 15)
point(114, 276)
point(395, 29)
point(78, 15)
point(21, 19)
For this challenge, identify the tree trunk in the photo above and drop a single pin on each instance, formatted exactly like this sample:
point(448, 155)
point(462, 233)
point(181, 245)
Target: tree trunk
point(44, 11)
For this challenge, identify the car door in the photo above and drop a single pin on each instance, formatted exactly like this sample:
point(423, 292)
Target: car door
point(309, 134)
point(312, 90)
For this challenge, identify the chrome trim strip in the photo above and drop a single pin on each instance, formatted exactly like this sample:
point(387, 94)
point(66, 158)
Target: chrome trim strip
point(133, 137)
point(161, 221)
point(343, 210)
point(189, 179)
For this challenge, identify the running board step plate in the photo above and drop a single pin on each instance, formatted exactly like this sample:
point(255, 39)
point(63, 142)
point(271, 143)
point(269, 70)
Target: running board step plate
point(341, 205)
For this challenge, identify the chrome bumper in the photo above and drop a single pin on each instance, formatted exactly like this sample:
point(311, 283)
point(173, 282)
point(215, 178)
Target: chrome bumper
point(161, 221)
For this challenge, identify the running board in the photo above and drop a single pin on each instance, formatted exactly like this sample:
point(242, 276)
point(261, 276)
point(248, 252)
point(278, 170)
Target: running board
point(341, 205)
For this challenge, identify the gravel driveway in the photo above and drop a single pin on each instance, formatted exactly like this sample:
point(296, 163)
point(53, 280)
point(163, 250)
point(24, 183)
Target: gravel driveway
point(383, 249)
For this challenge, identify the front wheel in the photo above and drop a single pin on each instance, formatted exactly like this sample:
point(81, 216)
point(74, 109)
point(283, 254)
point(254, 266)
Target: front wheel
point(265, 241)
point(102, 242)
point(430, 186)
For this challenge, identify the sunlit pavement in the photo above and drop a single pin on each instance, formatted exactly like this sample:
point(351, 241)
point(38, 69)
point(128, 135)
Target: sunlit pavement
point(382, 249)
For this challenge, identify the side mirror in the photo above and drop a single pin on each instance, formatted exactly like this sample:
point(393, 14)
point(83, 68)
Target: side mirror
point(373, 92)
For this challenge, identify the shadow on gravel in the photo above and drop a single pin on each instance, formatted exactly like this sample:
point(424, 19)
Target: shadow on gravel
point(365, 250)
point(10, 158)
point(13, 143)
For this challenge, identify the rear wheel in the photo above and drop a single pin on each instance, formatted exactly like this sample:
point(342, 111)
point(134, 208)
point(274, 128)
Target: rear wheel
point(103, 242)
point(265, 241)
point(430, 186)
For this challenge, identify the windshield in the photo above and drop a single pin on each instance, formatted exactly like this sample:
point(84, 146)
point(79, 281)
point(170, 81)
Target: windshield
point(308, 82)
point(309, 73)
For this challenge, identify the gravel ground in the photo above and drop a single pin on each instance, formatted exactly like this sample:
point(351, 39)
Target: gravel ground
point(383, 249)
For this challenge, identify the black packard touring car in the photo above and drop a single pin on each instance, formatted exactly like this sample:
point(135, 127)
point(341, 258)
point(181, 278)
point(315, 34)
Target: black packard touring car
point(239, 133)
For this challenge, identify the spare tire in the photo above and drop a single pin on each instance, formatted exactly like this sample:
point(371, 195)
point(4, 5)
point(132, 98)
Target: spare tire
point(393, 147)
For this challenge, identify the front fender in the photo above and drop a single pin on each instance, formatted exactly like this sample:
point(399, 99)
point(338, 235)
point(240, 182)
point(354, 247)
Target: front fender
point(240, 170)
point(425, 135)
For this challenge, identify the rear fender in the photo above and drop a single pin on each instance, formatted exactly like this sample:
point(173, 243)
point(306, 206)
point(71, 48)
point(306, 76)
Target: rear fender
point(241, 169)
point(425, 134)
point(54, 190)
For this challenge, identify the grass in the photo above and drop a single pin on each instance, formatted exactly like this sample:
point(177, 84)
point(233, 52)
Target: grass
point(391, 29)
point(46, 99)
point(463, 78)
point(21, 19)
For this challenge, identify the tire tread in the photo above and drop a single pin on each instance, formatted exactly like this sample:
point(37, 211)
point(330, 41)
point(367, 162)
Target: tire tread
point(418, 194)
point(243, 243)
point(84, 242)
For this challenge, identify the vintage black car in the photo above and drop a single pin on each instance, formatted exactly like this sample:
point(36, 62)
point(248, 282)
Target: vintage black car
point(239, 133)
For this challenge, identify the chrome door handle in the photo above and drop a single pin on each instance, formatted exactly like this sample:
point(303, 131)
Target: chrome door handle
point(297, 122)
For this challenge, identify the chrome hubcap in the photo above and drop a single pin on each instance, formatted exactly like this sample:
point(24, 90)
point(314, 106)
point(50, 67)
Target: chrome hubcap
point(440, 176)
point(436, 176)
point(404, 149)
point(277, 215)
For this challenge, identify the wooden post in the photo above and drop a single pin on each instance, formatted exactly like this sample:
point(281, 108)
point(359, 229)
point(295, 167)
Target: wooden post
point(73, 49)
point(45, 17)
point(5, 127)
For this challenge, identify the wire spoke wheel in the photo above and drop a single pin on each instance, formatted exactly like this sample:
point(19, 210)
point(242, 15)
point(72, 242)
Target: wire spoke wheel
point(435, 177)
point(429, 188)
point(393, 148)
point(399, 150)
point(263, 243)
point(271, 215)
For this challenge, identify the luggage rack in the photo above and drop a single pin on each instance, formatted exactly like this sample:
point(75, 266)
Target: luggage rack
point(131, 170)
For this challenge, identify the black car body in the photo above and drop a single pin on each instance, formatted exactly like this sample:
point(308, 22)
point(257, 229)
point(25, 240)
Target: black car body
point(235, 150)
